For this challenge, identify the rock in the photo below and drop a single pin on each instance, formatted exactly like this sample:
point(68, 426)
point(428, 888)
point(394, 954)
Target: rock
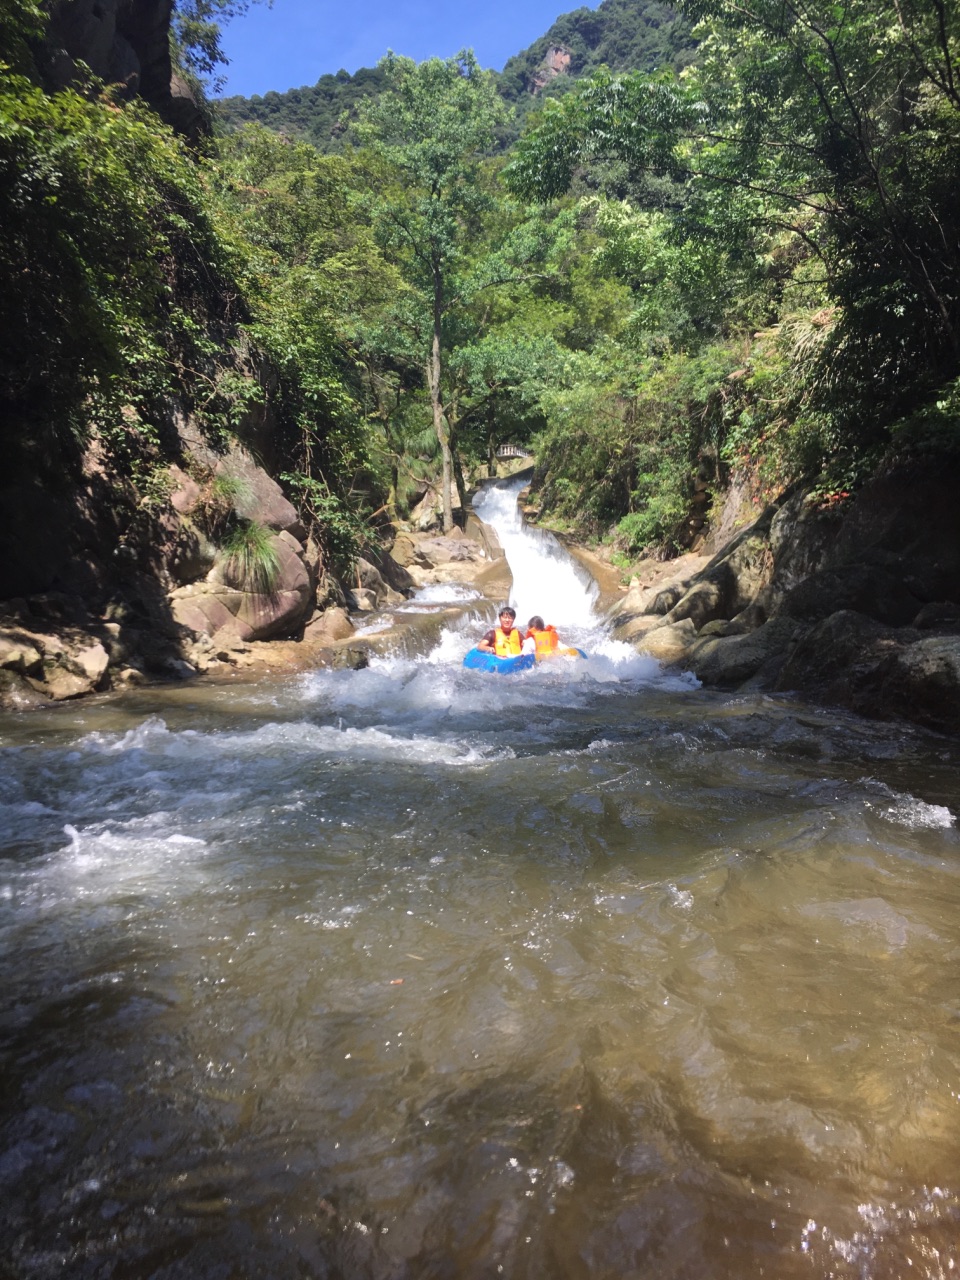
point(669, 643)
point(61, 684)
point(944, 615)
point(634, 627)
point(215, 606)
point(185, 493)
point(392, 573)
point(92, 661)
point(18, 654)
point(704, 602)
point(350, 659)
point(17, 693)
point(371, 580)
point(330, 592)
point(657, 586)
point(129, 677)
point(829, 655)
point(723, 627)
point(428, 513)
point(880, 671)
point(452, 547)
point(259, 498)
point(730, 581)
point(406, 551)
point(727, 661)
point(921, 682)
point(332, 625)
point(360, 600)
point(180, 669)
point(862, 588)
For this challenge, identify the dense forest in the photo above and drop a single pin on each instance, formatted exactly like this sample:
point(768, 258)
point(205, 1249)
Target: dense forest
point(751, 260)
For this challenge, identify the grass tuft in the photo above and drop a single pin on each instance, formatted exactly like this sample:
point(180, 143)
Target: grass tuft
point(250, 560)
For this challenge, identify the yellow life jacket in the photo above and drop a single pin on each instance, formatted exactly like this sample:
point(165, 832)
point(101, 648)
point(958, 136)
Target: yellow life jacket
point(507, 646)
point(547, 641)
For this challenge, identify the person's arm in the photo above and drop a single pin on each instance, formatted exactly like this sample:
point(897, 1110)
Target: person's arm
point(488, 643)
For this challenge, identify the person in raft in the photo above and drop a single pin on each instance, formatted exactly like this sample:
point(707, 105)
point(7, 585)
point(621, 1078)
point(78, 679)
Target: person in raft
point(541, 639)
point(505, 640)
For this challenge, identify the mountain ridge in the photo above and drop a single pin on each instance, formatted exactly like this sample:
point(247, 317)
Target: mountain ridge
point(626, 35)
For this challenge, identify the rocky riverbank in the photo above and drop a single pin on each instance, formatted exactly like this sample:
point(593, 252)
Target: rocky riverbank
point(854, 604)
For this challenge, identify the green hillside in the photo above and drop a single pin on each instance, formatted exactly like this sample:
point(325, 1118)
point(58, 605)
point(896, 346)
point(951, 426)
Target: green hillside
point(625, 35)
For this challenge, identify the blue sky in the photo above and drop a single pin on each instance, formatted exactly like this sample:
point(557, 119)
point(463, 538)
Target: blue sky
point(297, 41)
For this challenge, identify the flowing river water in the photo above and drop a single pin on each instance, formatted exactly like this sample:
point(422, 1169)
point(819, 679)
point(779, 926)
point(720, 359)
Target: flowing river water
point(416, 972)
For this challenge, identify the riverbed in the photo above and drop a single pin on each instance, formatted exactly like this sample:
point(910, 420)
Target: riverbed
point(416, 972)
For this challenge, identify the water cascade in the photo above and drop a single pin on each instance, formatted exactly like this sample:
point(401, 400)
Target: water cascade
point(546, 580)
point(410, 972)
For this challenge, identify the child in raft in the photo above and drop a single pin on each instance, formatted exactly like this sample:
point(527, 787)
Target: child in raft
point(541, 639)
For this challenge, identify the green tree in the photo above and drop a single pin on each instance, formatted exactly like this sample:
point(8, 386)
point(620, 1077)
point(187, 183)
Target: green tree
point(314, 274)
point(431, 128)
point(837, 121)
point(195, 34)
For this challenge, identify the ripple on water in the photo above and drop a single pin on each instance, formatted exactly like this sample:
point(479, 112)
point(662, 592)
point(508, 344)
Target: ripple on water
point(402, 972)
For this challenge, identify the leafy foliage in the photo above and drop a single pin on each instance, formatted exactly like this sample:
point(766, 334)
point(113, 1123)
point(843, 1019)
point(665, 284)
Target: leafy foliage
point(750, 261)
point(818, 146)
point(109, 270)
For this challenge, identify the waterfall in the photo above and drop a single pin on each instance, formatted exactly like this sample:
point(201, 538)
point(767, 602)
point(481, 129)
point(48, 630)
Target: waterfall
point(546, 578)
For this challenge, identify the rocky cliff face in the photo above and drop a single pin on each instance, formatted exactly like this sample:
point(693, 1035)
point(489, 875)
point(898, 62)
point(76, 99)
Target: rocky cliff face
point(123, 42)
point(556, 63)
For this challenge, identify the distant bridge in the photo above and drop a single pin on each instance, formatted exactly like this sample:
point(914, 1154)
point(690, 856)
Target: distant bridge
point(513, 451)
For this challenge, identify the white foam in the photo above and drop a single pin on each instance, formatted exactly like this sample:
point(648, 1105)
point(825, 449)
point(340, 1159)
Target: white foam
point(908, 811)
point(442, 593)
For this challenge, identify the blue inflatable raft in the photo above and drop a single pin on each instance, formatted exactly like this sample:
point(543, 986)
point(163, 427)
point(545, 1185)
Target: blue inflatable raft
point(478, 660)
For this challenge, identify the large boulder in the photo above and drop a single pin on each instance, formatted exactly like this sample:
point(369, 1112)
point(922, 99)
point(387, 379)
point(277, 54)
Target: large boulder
point(123, 42)
point(877, 670)
point(448, 548)
point(328, 627)
point(729, 583)
point(832, 654)
point(669, 642)
point(373, 588)
point(729, 661)
point(216, 605)
point(238, 483)
point(921, 681)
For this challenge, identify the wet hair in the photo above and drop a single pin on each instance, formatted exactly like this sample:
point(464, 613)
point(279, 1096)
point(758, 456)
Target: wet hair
point(535, 623)
point(506, 608)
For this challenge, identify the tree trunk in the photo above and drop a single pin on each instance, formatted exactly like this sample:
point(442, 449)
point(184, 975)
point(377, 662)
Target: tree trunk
point(461, 483)
point(434, 367)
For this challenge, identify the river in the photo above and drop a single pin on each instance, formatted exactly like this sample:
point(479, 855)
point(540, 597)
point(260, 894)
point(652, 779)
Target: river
point(415, 972)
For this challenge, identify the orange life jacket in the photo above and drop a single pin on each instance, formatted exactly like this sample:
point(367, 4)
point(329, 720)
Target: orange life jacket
point(507, 646)
point(547, 641)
